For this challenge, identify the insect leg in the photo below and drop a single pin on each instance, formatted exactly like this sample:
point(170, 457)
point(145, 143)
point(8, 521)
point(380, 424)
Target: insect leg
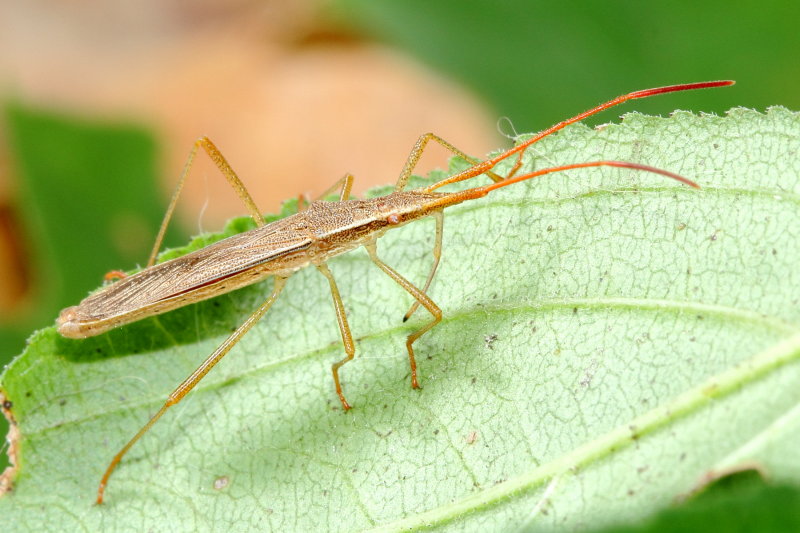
point(344, 328)
point(418, 295)
point(416, 154)
point(190, 382)
point(437, 254)
point(227, 171)
point(302, 202)
point(344, 184)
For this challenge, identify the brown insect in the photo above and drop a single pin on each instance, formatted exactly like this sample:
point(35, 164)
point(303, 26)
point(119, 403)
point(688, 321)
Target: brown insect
point(310, 237)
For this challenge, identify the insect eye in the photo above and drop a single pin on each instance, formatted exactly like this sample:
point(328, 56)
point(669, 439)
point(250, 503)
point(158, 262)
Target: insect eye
point(393, 219)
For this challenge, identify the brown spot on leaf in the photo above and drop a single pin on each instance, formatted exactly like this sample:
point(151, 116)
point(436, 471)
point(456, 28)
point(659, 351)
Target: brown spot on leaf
point(13, 438)
point(221, 482)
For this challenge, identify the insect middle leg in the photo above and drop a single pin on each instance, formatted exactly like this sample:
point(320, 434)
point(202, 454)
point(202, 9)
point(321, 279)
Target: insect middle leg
point(222, 164)
point(344, 328)
point(416, 154)
point(344, 184)
point(420, 296)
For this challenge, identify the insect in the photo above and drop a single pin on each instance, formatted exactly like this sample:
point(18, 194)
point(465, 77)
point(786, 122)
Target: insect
point(310, 237)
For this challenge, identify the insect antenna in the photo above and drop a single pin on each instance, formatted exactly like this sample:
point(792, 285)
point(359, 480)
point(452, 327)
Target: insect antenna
point(488, 164)
point(479, 192)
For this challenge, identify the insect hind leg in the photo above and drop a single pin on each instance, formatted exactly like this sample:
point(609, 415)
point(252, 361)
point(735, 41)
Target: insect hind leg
point(190, 382)
point(222, 164)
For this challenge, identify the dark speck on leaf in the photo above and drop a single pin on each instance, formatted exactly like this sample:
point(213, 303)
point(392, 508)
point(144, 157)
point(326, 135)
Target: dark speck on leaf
point(62, 401)
point(435, 431)
point(7, 404)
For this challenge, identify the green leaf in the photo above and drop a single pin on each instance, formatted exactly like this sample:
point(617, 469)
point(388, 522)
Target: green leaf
point(60, 160)
point(729, 507)
point(609, 338)
point(513, 54)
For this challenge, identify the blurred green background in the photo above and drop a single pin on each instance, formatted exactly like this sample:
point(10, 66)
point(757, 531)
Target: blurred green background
point(83, 184)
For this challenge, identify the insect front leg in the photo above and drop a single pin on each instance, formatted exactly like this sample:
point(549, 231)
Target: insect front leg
point(416, 154)
point(344, 328)
point(437, 254)
point(418, 295)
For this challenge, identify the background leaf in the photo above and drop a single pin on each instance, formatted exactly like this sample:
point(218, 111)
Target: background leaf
point(65, 162)
point(517, 57)
point(609, 338)
point(729, 506)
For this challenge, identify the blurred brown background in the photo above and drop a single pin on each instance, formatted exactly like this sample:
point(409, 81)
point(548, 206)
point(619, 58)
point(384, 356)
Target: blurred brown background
point(292, 99)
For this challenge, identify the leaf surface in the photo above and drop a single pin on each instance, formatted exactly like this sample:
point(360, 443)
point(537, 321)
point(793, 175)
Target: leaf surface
point(609, 337)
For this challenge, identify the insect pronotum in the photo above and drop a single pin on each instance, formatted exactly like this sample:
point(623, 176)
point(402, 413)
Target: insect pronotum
point(310, 237)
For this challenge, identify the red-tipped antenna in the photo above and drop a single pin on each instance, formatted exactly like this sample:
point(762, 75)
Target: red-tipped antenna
point(618, 164)
point(480, 192)
point(482, 167)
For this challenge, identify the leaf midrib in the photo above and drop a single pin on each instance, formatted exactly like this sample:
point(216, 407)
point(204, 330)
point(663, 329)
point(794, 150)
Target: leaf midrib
point(613, 441)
